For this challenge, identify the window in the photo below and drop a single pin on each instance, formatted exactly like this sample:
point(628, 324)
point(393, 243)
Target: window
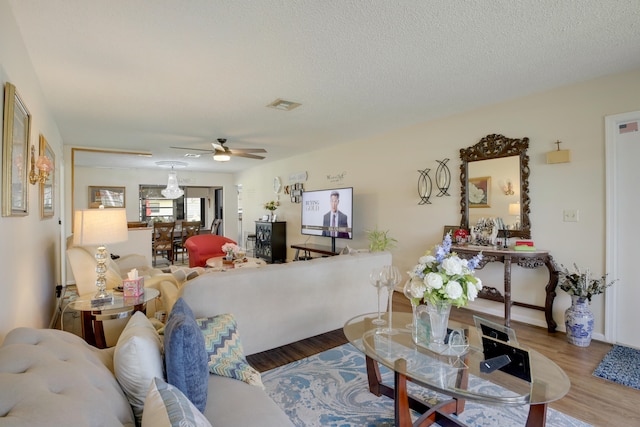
point(154, 206)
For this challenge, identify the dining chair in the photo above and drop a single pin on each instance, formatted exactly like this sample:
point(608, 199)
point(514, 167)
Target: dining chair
point(163, 240)
point(215, 225)
point(191, 228)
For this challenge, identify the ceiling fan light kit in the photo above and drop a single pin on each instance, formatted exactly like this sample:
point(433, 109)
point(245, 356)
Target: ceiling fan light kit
point(221, 156)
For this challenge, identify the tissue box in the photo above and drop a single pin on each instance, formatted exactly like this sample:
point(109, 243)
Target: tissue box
point(133, 287)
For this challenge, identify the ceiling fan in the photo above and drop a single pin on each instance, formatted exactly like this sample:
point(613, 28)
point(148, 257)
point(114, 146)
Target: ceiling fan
point(222, 153)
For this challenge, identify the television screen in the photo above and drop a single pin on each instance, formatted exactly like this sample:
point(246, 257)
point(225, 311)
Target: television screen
point(328, 213)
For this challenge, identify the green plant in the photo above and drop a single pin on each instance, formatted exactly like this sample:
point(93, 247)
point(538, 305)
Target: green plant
point(380, 241)
point(272, 205)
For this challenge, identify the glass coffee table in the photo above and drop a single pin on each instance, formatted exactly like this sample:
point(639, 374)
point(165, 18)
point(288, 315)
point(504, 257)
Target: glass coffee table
point(449, 371)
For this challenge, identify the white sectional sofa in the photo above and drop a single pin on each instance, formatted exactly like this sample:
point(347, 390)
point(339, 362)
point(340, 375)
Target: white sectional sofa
point(281, 303)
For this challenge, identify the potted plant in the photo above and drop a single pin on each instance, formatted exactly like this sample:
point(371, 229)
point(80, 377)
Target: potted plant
point(271, 206)
point(380, 240)
point(582, 287)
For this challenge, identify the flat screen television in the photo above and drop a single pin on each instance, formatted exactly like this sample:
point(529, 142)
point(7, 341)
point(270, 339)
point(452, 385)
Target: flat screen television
point(328, 213)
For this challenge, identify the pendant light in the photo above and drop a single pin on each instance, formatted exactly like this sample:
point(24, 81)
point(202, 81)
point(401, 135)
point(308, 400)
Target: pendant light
point(173, 191)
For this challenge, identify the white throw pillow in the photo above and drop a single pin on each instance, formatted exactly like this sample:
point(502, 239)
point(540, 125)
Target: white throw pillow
point(167, 406)
point(138, 360)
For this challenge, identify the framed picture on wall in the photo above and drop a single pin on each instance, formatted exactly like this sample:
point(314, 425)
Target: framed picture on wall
point(109, 197)
point(480, 192)
point(15, 154)
point(47, 199)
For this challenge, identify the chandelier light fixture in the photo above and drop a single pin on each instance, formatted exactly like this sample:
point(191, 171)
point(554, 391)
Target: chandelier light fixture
point(173, 191)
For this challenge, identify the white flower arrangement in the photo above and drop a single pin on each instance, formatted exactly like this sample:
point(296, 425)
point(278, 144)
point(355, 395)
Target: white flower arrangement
point(445, 277)
point(231, 249)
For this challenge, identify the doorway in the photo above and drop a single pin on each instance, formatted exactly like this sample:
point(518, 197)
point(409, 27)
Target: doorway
point(622, 152)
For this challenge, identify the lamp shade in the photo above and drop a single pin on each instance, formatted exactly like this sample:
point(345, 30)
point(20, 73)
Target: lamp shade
point(100, 226)
point(514, 208)
point(173, 191)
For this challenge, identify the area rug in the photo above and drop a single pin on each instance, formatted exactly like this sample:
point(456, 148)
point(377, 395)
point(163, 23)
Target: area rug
point(621, 365)
point(330, 389)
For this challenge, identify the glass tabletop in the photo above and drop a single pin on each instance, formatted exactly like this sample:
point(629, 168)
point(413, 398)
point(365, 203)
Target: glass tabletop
point(83, 302)
point(443, 370)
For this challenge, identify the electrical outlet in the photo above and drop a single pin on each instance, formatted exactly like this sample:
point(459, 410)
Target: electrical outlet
point(570, 215)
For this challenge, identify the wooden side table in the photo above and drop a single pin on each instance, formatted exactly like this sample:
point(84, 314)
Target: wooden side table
point(93, 316)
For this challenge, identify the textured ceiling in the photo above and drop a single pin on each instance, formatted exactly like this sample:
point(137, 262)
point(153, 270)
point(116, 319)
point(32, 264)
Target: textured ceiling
point(149, 74)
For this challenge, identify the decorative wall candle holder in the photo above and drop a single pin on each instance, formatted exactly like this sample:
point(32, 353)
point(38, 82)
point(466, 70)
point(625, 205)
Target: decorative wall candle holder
point(424, 187)
point(443, 178)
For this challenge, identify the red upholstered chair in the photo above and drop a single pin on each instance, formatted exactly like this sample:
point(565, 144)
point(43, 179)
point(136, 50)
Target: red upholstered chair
point(205, 246)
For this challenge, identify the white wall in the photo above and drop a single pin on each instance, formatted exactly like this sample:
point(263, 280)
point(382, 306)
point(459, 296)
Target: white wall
point(30, 246)
point(383, 172)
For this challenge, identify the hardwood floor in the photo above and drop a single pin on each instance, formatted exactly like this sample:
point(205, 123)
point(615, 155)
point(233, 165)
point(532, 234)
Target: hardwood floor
point(591, 399)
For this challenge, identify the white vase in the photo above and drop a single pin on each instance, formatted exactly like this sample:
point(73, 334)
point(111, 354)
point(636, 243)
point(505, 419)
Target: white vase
point(578, 320)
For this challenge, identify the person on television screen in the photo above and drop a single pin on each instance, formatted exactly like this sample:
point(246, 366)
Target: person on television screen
point(335, 218)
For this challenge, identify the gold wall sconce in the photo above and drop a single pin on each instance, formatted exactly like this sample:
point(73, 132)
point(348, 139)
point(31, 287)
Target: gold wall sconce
point(507, 188)
point(559, 156)
point(43, 165)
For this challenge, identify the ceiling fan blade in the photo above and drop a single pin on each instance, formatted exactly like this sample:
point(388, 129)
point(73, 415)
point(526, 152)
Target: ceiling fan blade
point(193, 149)
point(247, 155)
point(248, 150)
point(217, 146)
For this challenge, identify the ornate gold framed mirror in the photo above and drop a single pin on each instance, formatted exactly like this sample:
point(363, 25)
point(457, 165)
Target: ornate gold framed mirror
point(494, 178)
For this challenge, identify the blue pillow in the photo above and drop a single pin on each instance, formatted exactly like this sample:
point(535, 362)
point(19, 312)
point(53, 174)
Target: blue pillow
point(185, 355)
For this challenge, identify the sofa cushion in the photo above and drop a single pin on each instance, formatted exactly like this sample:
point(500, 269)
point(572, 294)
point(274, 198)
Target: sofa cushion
point(185, 354)
point(224, 348)
point(138, 360)
point(54, 378)
point(167, 406)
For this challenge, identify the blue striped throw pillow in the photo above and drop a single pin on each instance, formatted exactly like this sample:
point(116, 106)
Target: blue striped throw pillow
point(223, 345)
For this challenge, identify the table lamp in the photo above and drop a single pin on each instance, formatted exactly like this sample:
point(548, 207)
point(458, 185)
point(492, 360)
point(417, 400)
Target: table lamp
point(99, 227)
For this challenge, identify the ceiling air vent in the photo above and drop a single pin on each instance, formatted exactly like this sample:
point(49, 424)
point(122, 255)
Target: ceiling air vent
point(281, 104)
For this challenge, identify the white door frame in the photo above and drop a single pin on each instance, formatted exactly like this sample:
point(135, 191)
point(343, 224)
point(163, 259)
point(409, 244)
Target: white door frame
point(611, 248)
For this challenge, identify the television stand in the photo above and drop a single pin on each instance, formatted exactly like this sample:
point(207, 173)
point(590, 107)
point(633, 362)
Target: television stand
point(312, 247)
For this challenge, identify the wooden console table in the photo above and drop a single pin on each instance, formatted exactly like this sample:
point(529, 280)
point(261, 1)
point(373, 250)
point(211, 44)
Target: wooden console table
point(533, 259)
point(311, 247)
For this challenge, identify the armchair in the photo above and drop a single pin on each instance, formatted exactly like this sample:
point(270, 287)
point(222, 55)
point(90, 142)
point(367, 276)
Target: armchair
point(203, 247)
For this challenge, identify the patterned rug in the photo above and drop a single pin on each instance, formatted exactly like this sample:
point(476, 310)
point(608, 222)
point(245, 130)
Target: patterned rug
point(621, 365)
point(330, 389)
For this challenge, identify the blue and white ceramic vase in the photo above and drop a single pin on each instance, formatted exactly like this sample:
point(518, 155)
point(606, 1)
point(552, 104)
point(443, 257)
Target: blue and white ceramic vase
point(578, 320)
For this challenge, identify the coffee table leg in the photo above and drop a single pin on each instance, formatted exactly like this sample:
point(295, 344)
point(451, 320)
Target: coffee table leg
point(537, 415)
point(401, 397)
point(373, 375)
